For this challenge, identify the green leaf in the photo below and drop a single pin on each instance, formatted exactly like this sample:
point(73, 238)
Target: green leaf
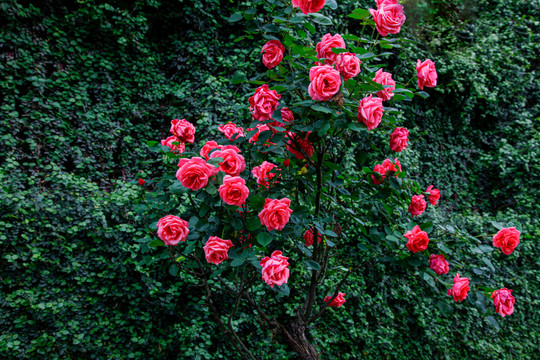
point(235, 18)
point(486, 248)
point(264, 238)
point(427, 227)
point(313, 265)
point(366, 56)
point(304, 249)
point(422, 94)
point(283, 290)
point(427, 277)
point(152, 143)
point(332, 4)
point(331, 233)
point(253, 224)
point(488, 263)
point(156, 243)
point(493, 322)
point(177, 188)
point(237, 262)
point(321, 19)
point(173, 269)
point(359, 14)
point(321, 109)
point(211, 189)
point(257, 202)
point(215, 161)
point(271, 28)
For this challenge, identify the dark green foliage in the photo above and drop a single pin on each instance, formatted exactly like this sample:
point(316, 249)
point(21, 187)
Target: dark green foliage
point(86, 84)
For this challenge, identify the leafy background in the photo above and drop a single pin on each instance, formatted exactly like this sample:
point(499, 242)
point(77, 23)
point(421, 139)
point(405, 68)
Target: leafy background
point(86, 84)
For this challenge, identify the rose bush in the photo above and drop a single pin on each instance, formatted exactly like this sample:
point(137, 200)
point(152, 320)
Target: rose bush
point(326, 123)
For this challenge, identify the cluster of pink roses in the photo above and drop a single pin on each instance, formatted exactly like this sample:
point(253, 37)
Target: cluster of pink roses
point(387, 167)
point(418, 204)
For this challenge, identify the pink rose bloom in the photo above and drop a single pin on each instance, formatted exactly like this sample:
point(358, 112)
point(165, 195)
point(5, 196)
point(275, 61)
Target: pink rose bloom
point(388, 18)
point(381, 3)
point(194, 173)
point(503, 301)
point(370, 111)
point(325, 82)
point(216, 250)
point(287, 115)
point(276, 213)
point(308, 236)
point(209, 146)
point(348, 65)
point(234, 190)
point(438, 264)
point(230, 129)
point(460, 289)
point(233, 163)
point(272, 53)
point(174, 148)
point(337, 302)
point(392, 166)
point(427, 75)
point(263, 175)
point(324, 48)
point(183, 130)
point(418, 205)
point(308, 6)
point(418, 239)
point(260, 128)
point(381, 170)
point(263, 103)
point(172, 230)
point(298, 146)
point(507, 239)
point(275, 269)
point(434, 195)
point(385, 78)
point(232, 147)
point(398, 139)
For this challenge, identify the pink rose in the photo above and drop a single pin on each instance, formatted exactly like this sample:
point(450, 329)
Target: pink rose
point(260, 128)
point(434, 195)
point(233, 163)
point(275, 269)
point(390, 166)
point(194, 173)
point(348, 65)
point(460, 289)
point(263, 175)
point(299, 146)
point(272, 53)
point(418, 205)
point(230, 129)
point(209, 146)
point(385, 78)
point(234, 190)
point(388, 18)
point(308, 236)
point(276, 213)
point(174, 148)
point(287, 115)
point(337, 302)
point(308, 6)
point(398, 139)
point(427, 75)
point(386, 166)
point(507, 239)
point(370, 111)
point(263, 103)
point(381, 3)
point(172, 230)
point(418, 239)
point(325, 82)
point(503, 301)
point(438, 264)
point(216, 250)
point(183, 130)
point(324, 48)
point(381, 170)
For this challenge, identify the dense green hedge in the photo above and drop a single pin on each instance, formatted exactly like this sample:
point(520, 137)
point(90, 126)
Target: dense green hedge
point(86, 84)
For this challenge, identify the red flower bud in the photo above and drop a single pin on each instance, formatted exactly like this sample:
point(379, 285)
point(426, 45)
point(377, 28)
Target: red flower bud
point(141, 182)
